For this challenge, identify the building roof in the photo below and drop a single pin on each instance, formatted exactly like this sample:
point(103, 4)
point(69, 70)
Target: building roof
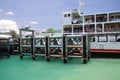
point(4, 36)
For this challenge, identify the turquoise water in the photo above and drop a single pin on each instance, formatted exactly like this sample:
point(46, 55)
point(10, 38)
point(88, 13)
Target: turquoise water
point(14, 68)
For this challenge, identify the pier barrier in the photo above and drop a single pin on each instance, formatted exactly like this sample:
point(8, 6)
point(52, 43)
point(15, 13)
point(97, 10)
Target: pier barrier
point(26, 44)
point(14, 46)
point(4, 47)
point(39, 46)
point(55, 48)
point(77, 47)
point(65, 47)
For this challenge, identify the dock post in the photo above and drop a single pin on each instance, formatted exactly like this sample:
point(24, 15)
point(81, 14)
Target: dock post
point(8, 47)
point(32, 48)
point(19, 45)
point(88, 45)
point(64, 49)
point(47, 46)
point(84, 50)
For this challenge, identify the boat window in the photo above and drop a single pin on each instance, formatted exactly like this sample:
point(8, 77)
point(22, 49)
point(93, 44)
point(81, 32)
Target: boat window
point(113, 27)
point(77, 29)
point(101, 18)
point(3, 40)
point(118, 38)
point(92, 38)
point(112, 38)
point(89, 19)
point(102, 38)
point(99, 28)
point(68, 15)
point(67, 29)
point(90, 28)
point(65, 15)
point(114, 16)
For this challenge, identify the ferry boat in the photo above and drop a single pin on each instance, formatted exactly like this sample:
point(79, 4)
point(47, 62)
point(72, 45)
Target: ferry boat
point(103, 28)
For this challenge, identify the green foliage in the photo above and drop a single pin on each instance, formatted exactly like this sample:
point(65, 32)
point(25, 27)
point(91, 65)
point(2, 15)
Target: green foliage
point(13, 33)
point(52, 30)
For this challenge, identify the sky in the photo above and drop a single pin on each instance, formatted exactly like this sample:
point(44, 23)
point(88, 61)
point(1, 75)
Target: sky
point(43, 14)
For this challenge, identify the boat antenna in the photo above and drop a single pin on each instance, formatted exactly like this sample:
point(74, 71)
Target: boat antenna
point(81, 3)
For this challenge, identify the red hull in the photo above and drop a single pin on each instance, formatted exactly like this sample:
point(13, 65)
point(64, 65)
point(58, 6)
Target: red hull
point(106, 50)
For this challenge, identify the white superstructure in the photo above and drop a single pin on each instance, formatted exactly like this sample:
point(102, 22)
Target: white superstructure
point(103, 27)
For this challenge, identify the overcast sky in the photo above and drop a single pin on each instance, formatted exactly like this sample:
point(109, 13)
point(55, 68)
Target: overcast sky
point(42, 14)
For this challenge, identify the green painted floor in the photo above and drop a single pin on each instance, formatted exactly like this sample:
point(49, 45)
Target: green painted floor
point(96, 69)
